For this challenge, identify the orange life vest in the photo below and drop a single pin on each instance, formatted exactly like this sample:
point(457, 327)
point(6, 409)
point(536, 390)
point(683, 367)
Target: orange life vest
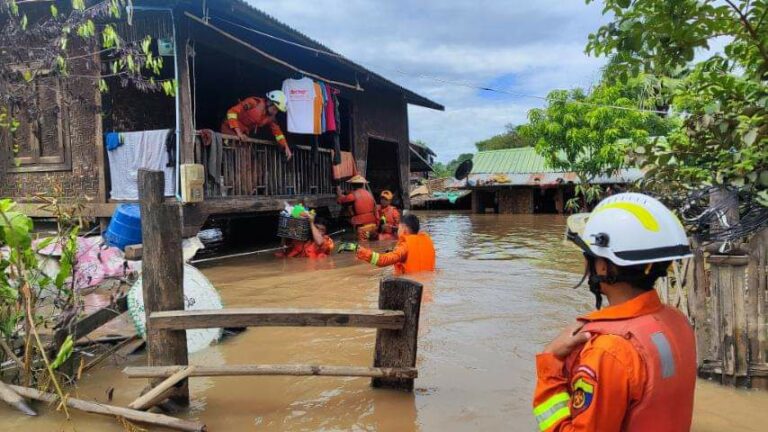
point(364, 207)
point(665, 341)
point(421, 254)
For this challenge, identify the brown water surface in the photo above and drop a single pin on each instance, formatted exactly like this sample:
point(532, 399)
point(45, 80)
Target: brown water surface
point(500, 293)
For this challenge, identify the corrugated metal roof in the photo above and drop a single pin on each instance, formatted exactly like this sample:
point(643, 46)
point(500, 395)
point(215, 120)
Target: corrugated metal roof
point(510, 161)
point(525, 167)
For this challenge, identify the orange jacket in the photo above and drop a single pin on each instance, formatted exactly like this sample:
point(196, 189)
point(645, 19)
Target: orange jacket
point(364, 206)
point(636, 373)
point(392, 217)
point(250, 114)
point(413, 253)
point(309, 249)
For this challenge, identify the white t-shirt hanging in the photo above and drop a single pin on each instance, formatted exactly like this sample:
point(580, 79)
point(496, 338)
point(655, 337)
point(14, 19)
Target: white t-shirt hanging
point(300, 95)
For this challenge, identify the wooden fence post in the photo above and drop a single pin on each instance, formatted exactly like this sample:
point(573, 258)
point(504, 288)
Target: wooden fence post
point(397, 348)
point(162, 274)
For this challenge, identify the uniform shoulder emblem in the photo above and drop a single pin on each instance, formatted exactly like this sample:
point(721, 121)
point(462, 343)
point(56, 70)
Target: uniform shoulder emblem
point(583, 388)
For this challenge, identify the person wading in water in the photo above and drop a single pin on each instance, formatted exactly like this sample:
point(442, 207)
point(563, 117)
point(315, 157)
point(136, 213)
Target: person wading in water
point(631, 366)
point(364, 217)
point(414, 252)
point(389, 216)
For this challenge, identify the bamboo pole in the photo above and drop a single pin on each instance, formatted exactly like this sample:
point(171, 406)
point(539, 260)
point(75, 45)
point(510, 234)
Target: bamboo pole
point(13, 399)
point(111, 410)
point(161, 391)
point(272, 370)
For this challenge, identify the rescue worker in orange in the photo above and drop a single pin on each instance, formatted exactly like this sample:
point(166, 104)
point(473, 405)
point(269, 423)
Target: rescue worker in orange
point(389, 217)
point(320, 246)
point(414, 252)
point(631, 366)
point(363, 205)
point(254, 112)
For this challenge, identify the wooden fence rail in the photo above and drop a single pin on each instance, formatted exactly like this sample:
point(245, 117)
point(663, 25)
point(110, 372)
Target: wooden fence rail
point(253, 317)
point(270, 370)
point(258, 167)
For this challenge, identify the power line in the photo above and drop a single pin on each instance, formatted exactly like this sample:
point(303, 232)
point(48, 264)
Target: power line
point(435, 78)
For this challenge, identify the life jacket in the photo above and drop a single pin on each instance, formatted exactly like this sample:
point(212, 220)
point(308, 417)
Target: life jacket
point(421, 254)
point(388, 212)
point(665, 342)
point(364, 207)
point(255, 113)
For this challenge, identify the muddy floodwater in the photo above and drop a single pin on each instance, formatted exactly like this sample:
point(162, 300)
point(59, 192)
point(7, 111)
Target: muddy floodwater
point(502, 291)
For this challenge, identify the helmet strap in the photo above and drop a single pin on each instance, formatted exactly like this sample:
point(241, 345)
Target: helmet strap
point(595, 280)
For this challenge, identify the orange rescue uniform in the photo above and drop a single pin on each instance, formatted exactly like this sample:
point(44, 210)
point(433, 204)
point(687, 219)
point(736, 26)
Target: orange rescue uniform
point(308, 249)
point(413, 253)
point(636, 373)
point(364, 208)
point(391, 217)
point(249, 115)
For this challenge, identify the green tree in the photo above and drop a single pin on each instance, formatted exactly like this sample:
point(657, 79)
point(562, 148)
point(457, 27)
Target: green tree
point(447, 170)
point(509, 139)
point(724, 96)
point(587, 132)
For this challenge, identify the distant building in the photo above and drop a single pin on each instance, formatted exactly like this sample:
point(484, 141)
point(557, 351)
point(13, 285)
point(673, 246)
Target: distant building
point(520, 181)
point(422, 159)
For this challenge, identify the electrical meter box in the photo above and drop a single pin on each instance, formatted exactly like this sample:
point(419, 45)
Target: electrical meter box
point(192, 181)
point(165, 47)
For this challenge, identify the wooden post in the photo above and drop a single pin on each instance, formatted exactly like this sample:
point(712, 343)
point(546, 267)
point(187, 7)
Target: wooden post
point(397, 348)
point(162, 274)
point(186, 121)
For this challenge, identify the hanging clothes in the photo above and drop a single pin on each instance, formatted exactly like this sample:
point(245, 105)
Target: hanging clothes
point(318, 109)
point(113, 140)
point(323, 119)
point(330, 108)
point(145, 149)
point(300, 95)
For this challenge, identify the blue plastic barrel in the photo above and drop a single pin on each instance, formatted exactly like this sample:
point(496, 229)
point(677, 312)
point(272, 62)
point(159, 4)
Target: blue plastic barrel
point(125, 227)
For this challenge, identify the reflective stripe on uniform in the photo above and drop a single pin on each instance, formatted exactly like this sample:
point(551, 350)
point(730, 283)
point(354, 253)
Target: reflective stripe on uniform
point(374, 258)
point(646, 218)
point(279, 137)
point(552, 410)
point(665, 354)
point(231, 116)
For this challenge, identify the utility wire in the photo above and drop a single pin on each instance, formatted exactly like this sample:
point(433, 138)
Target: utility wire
point(435, 78)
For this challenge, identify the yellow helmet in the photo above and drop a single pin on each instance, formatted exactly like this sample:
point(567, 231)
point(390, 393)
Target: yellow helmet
point(386, 195)
point(278, 98)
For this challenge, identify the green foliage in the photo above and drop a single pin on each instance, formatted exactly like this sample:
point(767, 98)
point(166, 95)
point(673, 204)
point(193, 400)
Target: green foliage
point(447, 170)
point(587, 132)
point(723, 136)
point(509, 139)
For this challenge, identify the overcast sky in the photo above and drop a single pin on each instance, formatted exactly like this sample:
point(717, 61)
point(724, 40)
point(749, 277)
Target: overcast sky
point(524, 46)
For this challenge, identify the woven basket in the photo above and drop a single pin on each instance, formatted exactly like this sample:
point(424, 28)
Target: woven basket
point(293, 228)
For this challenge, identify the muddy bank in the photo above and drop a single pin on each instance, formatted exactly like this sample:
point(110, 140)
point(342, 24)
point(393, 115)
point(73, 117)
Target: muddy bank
point(501, 292)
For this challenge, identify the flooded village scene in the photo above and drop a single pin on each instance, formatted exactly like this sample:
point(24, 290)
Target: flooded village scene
point(264, 215)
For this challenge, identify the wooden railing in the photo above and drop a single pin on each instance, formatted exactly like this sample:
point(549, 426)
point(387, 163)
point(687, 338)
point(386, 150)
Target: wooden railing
point(259, 168)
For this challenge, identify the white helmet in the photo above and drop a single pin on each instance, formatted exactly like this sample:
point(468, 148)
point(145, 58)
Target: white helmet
point(278, 98)
point(632, 228)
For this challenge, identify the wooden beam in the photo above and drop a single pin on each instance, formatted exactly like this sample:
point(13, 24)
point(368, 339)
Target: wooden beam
point(91, 322)
point(110, 410)
point(90, 210)
point(186, 126)
point(134, 252)
point(162, 273)
point(161, 391)
point(397, 348)
point(256, 317)
point(13, 399)
point(272, 370)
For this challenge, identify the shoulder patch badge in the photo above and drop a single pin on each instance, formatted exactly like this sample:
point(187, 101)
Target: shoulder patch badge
point(581, 395)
